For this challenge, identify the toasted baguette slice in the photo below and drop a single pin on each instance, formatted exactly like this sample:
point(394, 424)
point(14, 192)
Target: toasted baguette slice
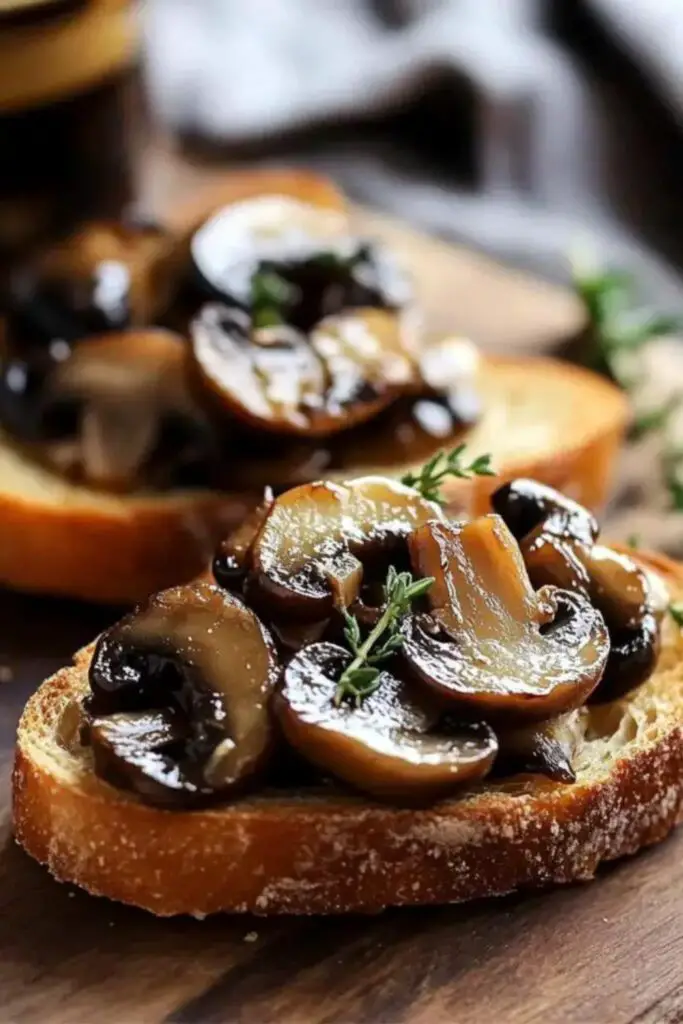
point(542, 418)
point(323, 851)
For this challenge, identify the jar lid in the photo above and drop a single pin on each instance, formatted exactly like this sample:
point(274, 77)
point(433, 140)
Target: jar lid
point(53, 49)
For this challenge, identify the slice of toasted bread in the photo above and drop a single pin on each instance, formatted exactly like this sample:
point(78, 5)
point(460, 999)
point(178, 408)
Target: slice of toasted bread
point(323, 851)
point(542, 418)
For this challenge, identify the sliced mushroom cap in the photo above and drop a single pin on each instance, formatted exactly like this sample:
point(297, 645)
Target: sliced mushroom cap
point(231, 562)
point(526, 504)
point(179, 696)
point(545, 748)
point(316, 538)
point(276, 378)
point(491, 645)
point(559, 549)
point(323, 269)
point(136, 421)
point(391, 746)
point(106, 276)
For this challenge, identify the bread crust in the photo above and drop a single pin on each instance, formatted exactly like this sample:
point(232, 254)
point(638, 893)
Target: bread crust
point(79, 543)
point(327, 852)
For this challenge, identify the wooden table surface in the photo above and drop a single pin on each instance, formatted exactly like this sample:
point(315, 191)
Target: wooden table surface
point(611, 951)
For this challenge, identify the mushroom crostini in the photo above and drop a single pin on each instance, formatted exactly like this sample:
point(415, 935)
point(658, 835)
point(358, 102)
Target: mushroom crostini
point(368, 681)
point(300, 353)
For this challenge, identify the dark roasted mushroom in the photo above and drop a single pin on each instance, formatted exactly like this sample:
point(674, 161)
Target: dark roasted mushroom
point(391, 746)
point(106, 277)
point(276, 378)
point(557, 539)
point(126, 391)
point(491, 646)
point(312, 546)
point(544, 748)
point(179, 697)
point(292, 258)
point(231, 561)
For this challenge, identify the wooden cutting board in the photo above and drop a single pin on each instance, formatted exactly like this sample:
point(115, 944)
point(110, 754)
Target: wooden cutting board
point(607, 952)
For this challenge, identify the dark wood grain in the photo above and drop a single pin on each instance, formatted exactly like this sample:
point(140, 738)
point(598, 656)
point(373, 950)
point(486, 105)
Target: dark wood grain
point(608, 952)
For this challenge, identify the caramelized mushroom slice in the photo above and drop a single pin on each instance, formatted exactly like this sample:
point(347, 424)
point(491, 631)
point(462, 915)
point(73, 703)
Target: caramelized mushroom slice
point(491, 646)
point(128, 389)
point(540, 749)
point(557, 538)
point(390, 746)
point(320, 269)
point(179, 696)
point(229, 247)
point(231, 561)
point(316, 537)
point(274, 378)
point(105, 277)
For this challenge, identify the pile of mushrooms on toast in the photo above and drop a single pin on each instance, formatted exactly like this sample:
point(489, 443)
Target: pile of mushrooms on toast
point(355, 632)
point(258, 349)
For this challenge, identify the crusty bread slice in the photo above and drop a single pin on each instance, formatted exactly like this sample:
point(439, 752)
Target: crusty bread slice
point(324, 851)
point(542, 418)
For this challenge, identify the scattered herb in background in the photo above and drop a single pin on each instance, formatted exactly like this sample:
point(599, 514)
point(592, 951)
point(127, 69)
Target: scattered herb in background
point(633, 541)
point(429, 480)
point(616, 328)
point(361, 677)
point(655, 420)
point(672, 472)
point(676, 612)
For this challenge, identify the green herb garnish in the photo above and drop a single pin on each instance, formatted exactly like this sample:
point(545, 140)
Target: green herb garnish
point(655, 420)
point(672, 471)
point(617, 329)
point(676, 612)
point(633, 541)
point(271, 295)
point(429, 480)
point(361, 677)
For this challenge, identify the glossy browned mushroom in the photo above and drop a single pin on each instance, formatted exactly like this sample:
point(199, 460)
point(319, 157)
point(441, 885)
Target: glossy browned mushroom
point(391, 746)
point(297, 254)
point(491, 645)
point(126, 389)
point(558, 542)
point(544, 748)
point(316, 538)
point(276, 378)
point(231, 561)
point(179, 696)
point(107, 276)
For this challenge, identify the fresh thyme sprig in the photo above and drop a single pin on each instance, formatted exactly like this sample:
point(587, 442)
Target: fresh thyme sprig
point(443, 465)
point(271, 294)
point(616, 328)
point(361, 677)
point(676, 612)
point(672, 473)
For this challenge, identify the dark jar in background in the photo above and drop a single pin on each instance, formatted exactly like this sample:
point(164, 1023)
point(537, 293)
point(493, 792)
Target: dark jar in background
point(67, 80)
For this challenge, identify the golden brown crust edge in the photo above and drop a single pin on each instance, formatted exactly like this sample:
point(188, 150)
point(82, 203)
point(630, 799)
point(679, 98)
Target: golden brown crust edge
point(334, 854)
